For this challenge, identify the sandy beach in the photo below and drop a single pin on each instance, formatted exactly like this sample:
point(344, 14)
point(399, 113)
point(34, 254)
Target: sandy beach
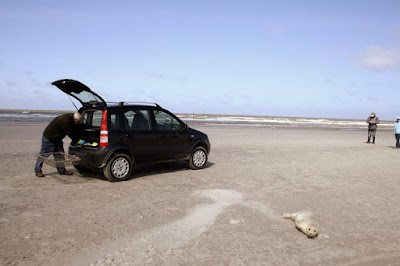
point(225, 214)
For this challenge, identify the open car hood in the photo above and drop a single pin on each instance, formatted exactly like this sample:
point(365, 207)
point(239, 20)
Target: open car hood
point(81, 92)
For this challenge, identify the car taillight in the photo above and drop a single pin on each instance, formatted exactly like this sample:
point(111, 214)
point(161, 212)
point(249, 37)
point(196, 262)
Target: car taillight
point(104, 130)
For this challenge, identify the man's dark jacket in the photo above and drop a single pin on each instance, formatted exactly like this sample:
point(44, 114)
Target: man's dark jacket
point(373, 121)
point(60, 127)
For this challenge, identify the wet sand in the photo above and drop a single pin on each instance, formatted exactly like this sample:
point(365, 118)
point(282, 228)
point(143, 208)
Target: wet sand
point(225, 214)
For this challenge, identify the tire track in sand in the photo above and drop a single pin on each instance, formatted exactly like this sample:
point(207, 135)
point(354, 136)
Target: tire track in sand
point(160, 243)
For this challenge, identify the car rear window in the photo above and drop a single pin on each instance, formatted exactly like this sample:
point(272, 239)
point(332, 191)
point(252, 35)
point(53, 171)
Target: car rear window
point(96, 121)
point(92, 118)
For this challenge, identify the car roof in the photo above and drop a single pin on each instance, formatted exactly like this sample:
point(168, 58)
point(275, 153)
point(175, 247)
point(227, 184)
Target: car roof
point(141, 104)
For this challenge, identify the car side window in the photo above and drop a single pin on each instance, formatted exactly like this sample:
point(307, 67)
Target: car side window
point(136, 119)
point(166, 122)
point(114, 121)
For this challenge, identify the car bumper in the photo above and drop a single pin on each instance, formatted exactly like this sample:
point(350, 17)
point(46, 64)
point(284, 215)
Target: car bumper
point(91, 157)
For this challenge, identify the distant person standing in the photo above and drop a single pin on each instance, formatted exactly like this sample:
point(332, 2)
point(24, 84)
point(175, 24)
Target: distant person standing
point(397, 132)
point(373, 122)
point(53, 135)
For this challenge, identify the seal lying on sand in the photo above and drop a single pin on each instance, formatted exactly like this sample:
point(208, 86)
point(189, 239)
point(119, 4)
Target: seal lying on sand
point(304, 221)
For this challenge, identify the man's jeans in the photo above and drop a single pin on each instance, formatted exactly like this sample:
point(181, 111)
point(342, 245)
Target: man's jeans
point(371, 134)
point(48, 146)
point(397, 140)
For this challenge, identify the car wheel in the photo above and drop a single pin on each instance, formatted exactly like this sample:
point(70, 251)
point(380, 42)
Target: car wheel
point(118, 168)
point(198, 158)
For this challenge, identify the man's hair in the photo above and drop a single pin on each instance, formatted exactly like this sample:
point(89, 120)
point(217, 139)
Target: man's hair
point(78, 116)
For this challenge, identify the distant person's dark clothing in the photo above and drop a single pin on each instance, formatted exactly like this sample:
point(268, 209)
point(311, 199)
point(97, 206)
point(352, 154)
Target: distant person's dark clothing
point(397, 132)
point(373, 122)
point(59, 128)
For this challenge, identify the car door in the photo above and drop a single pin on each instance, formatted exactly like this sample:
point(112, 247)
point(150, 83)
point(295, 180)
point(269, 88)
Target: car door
point(139, 133)
point(173, 139)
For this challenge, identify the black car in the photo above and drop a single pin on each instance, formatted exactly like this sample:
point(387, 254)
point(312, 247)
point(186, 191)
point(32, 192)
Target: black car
point(116, 136)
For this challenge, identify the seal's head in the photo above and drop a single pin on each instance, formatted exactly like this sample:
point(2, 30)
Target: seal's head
point(311, 231)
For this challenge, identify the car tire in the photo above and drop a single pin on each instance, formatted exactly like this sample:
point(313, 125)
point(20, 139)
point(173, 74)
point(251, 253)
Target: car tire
point(198, 158)
point(118, 168)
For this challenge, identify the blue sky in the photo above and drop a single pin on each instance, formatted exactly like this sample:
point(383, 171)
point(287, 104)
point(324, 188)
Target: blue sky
point(337, 59)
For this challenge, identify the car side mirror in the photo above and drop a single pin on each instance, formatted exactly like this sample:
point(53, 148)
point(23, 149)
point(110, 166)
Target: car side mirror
point(185, 127)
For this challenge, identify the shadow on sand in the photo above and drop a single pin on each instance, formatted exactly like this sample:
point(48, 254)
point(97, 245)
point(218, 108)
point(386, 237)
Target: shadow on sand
point(138, 172)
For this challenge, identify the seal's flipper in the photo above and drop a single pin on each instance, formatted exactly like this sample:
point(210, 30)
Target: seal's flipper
point(286, 215)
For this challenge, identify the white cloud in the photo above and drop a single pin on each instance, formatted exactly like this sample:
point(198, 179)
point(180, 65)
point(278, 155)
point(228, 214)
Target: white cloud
point(373, 99)
point(11, 83)
point(29, 73)
point(330, 81)
point(246, 97)
point(378, 58)
point(155, 75)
